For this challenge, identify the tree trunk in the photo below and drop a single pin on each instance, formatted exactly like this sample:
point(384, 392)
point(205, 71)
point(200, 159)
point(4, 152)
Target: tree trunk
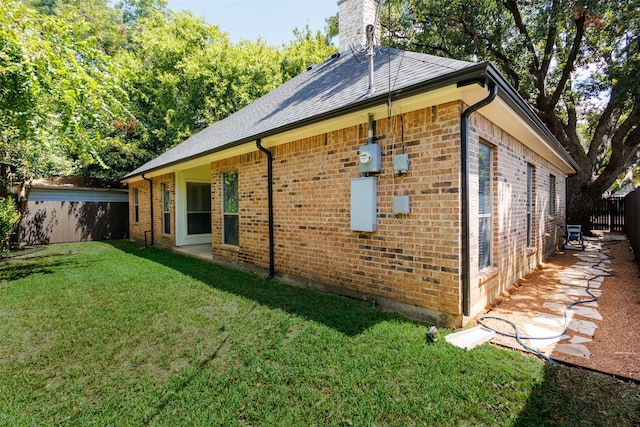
point(581, 200)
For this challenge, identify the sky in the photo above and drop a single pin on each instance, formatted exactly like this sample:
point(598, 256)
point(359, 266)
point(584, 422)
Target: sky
point(274, 20)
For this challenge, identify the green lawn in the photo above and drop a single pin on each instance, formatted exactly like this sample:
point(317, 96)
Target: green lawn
point(115, 334)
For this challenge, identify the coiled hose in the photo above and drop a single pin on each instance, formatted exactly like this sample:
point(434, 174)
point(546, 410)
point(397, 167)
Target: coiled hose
point(517, 335)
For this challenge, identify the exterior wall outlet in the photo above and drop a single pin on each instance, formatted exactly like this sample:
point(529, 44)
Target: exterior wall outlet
point(370, 158)
point(400, 205)
point(364, 204)
point(400, 164)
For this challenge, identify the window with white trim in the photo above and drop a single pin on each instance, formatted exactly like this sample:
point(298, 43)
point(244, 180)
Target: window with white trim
point(552, 195)
point(166, 213)
point(530, 186)
point(136, 206)
point(198, 208)
point(485, 206)
point(230, 221)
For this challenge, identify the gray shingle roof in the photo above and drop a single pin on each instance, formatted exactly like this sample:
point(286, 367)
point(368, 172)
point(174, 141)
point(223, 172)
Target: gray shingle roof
point(325, 89)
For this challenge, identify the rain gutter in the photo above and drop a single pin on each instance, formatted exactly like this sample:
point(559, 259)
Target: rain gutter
point(464, 184)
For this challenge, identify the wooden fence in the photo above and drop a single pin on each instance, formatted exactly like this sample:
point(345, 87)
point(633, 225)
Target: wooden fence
point(632, 227)
point(60, 214)
point(608, 214)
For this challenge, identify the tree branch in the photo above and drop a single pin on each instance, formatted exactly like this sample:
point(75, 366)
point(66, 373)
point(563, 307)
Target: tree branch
point(573, 54)
point(512, 7)
point(550, 41)
point(624, 146)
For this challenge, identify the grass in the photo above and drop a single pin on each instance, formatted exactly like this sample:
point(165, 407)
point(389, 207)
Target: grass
point(114, 334)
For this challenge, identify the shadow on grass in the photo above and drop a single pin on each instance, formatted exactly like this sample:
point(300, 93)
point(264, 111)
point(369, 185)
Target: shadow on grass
point(23, 268)
point(347, 316)
point(575, 397)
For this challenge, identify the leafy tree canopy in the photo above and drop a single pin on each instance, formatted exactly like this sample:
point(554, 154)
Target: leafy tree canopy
point(575, 61)
point(98, 88)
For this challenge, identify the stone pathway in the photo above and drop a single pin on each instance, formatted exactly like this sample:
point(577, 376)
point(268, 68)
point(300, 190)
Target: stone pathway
point(543, 327)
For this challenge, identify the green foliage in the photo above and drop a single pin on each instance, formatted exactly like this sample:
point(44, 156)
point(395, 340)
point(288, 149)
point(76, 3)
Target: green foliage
point(575, 61)
point(307, 49)
point(9, 217)
point(98, 89)
point(59, 95)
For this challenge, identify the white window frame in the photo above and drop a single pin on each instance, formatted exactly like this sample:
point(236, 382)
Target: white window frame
point(530, 195)
point(224, 211)
point(166, 208)
point(552, 195)
point(487, 214)
point(136, 205)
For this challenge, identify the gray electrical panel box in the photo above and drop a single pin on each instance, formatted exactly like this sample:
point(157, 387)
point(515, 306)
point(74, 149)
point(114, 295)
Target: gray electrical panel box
point(400, 205)
point(370, 158)
point(400, 164)
point(364, 204)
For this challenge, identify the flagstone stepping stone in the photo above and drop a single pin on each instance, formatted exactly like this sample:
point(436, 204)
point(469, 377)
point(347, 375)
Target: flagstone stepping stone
point(570, 299)
point(579, 310)
point(581, 292)
point(537, 331)
point(573, 282)
point(578, 350)
point(577, 339)
point(582, 283)
point(583, 327)
point(549, 319)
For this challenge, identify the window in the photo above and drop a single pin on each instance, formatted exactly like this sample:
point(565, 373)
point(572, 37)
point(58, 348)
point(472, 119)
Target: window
point(166, 213)
point(552, 195)
point(485, 207)
point(529, 205)
point(198, 208)
point(230, 223)
point(136, 206)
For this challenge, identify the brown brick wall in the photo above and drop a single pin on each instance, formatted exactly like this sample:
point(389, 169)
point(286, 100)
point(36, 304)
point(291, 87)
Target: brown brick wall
point(511, 256)
point(413, 260)
point(137, 229)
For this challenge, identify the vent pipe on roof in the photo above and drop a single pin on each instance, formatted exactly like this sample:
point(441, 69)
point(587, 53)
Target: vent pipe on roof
point(370, 33)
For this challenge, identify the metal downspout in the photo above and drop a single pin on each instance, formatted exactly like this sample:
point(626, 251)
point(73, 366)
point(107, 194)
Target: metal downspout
point(464, 172)
point(270, 201)
point(151, 204)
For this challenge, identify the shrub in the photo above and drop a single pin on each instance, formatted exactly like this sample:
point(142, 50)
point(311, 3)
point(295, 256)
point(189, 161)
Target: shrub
point(9, 217)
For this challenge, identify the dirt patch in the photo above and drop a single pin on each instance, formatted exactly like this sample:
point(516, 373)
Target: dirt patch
point(603, 335)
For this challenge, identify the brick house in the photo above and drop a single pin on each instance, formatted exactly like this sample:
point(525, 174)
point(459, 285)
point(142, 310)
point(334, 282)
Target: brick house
point(425, 183)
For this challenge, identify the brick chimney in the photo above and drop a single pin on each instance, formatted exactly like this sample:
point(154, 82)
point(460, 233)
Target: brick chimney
point(353, 17)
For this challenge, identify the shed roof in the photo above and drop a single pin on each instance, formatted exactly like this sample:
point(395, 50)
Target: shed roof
point(337, 86)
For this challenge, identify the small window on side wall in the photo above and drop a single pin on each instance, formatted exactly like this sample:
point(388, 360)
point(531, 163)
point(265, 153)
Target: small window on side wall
point(485, 207)
point(230, 221)
point(166, 213)
point(552, 195)
point(530, 198)
point(136, 206)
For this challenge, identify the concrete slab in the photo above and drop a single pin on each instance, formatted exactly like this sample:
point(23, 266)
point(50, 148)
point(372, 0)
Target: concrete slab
point(470, 338)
